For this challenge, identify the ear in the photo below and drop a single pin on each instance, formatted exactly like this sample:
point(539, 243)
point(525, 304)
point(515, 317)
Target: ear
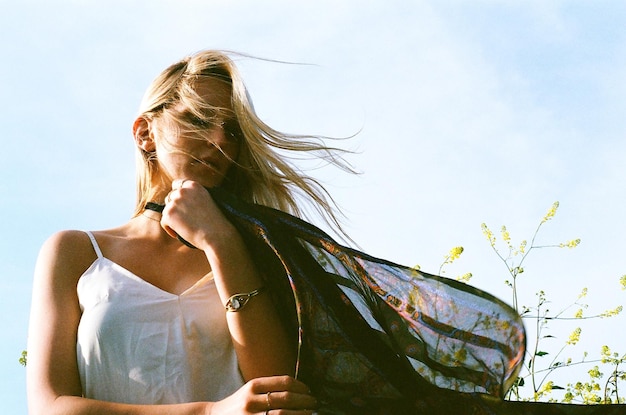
point(143, 134)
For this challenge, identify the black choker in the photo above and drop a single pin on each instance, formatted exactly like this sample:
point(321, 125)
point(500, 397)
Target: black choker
point(154, 207)
point(159, 208)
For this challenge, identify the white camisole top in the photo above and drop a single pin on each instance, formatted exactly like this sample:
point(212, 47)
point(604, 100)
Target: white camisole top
point(139, 344)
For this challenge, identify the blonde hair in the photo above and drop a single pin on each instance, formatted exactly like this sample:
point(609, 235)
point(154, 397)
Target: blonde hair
point(260, 174)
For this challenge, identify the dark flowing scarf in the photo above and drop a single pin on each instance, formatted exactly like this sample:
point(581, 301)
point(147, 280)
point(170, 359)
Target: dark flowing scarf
point(380, 338)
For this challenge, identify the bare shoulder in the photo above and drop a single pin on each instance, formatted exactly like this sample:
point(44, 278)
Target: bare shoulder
point(54, 317)
point(65, 255)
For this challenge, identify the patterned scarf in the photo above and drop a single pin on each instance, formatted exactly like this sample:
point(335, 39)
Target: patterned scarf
point(379, 338)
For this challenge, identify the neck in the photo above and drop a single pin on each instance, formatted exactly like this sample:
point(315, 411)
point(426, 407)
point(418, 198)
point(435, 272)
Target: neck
point(153, 207)
point(153, 217)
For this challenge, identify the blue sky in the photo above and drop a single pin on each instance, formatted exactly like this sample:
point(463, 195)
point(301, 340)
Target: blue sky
point(466, 112)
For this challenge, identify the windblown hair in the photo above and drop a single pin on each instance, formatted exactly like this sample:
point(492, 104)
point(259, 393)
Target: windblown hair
point(262, 173)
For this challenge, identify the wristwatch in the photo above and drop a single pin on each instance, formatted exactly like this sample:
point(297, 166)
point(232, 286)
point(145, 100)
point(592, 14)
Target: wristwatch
point(238, 301)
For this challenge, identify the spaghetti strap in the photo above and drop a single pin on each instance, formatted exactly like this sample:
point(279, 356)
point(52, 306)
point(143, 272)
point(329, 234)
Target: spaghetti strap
point(94, 243)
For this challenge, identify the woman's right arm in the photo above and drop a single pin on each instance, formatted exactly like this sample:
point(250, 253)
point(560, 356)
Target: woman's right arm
point(53, 381)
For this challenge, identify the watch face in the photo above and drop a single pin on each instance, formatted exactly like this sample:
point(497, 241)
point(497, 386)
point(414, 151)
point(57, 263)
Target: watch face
point(238, 301)
point(235, 303)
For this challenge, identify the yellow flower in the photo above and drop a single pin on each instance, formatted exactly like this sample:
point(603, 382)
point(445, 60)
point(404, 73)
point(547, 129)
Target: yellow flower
point(415, 270)
point(611, 313)
point(460, 355)
point(551, 212)
point(595, 372)
point(623, 282)
point(488, 234)
point(579, 313)
point(574, 337)
point(455, 253)
point(570, 244)
point(506, 236)
point(465, 277)
point(547, 387)
point(446, 358)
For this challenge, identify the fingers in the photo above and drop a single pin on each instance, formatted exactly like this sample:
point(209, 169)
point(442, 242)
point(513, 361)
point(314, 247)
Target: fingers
point(191, 216)
point(289, 400)
point(176, 185)
point(278, 383)
point(274, 395)
point(174, 194)
point(283, 392)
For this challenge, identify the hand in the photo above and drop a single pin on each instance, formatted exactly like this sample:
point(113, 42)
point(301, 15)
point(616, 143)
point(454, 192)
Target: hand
point(191, 213)
point(275, 395)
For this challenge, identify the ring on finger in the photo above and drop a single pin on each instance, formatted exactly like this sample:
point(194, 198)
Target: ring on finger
point(182, 183)
point(267, 399)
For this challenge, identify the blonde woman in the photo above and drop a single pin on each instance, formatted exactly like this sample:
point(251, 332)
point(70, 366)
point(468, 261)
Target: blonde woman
point(268, 315)
point(130, 320)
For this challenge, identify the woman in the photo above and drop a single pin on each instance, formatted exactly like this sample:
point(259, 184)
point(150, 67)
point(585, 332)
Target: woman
point(130, 320)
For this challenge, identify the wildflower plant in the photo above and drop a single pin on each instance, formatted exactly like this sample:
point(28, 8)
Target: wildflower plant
point(540, 364)
point(453, 255)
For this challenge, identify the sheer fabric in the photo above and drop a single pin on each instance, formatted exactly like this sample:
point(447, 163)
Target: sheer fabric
point(379, 338)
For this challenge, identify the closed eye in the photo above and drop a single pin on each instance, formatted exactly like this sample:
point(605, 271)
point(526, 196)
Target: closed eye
point(232, 129)
point(199, 122)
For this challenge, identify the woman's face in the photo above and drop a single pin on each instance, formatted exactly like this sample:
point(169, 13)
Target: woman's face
point(204, 153)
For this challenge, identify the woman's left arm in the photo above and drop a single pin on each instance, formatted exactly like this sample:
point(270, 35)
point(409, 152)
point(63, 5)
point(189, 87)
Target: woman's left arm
point(261, 342)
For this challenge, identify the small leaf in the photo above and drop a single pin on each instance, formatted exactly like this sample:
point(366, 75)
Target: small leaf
point(521, 382)
point(541, 354)
point(557, 387)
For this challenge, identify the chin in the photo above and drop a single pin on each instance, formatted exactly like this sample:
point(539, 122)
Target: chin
point(211, 182)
